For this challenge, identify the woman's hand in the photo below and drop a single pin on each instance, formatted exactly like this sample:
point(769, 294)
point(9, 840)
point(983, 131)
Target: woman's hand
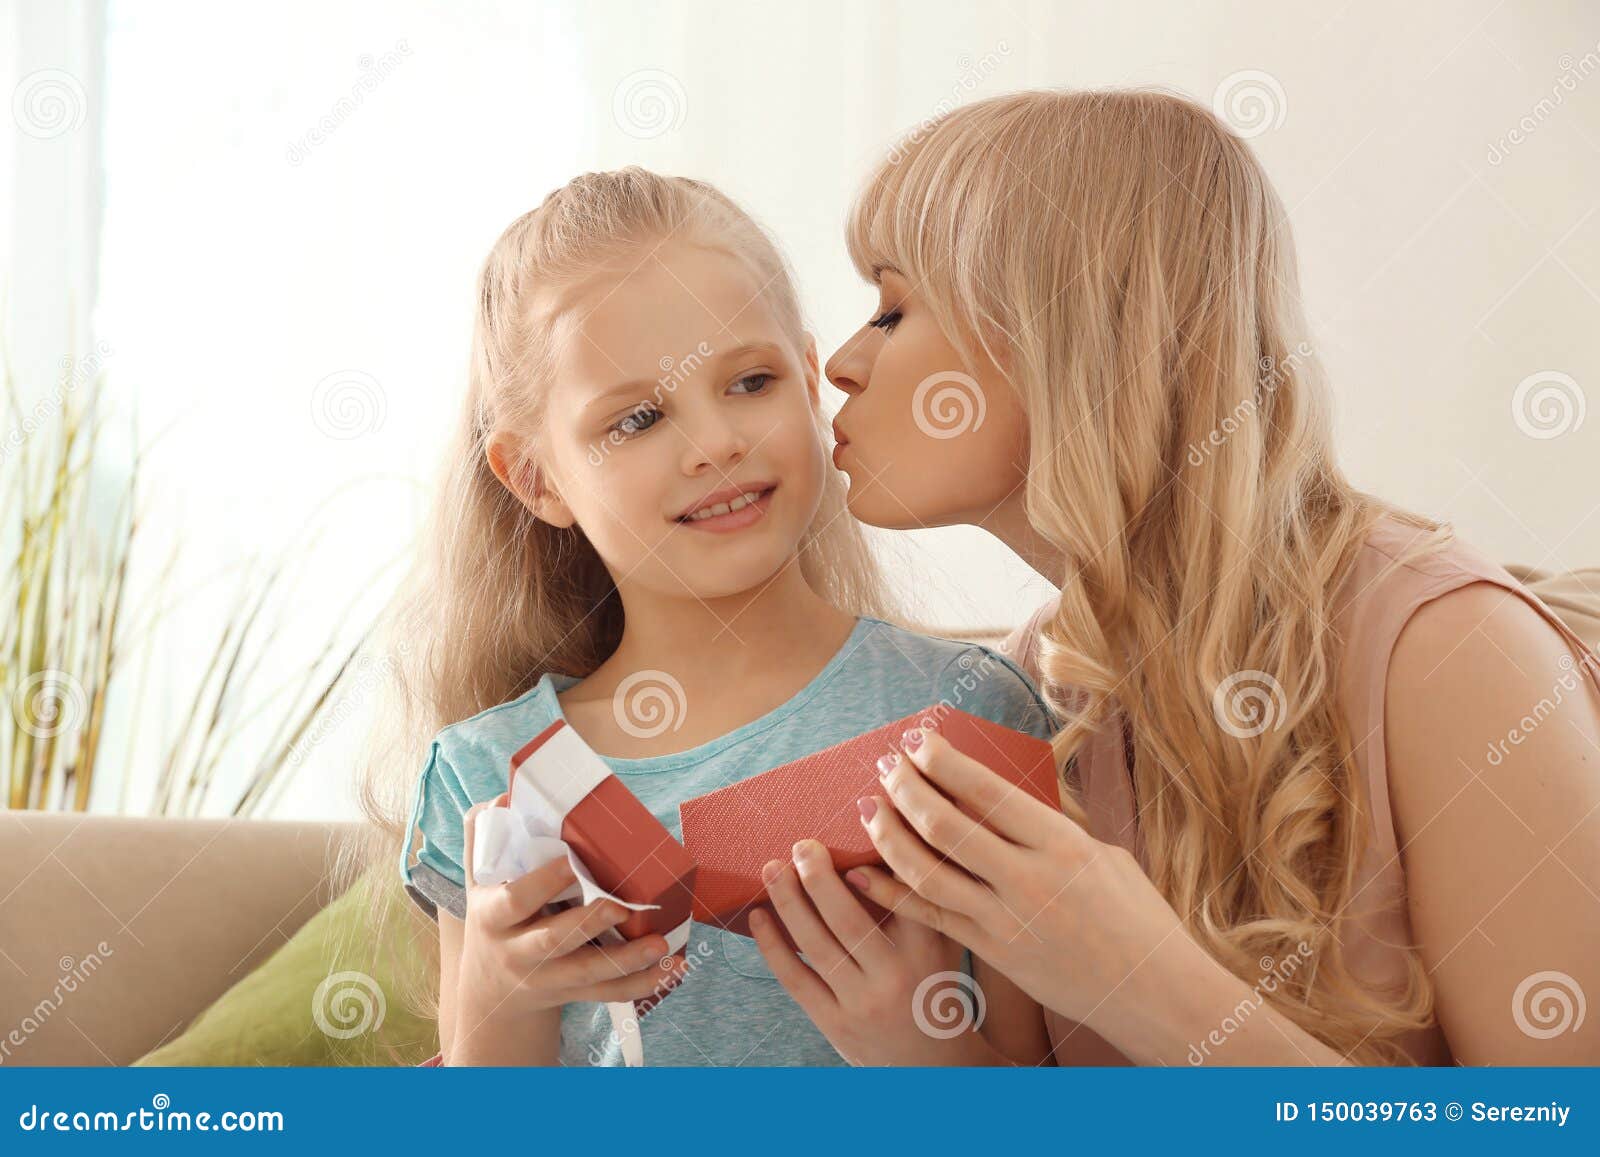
point(865, 986)
point(1071, 920)
point(519, 965)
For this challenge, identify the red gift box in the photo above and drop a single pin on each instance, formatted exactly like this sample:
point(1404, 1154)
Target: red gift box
point(733, 831)
point(626, 849)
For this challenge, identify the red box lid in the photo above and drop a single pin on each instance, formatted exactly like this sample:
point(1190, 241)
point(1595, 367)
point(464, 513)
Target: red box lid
point(733, 831)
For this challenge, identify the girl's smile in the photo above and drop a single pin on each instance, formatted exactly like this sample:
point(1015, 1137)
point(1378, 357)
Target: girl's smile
point(725, 515)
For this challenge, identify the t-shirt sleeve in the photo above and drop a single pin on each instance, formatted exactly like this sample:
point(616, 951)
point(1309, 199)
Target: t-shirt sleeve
point(430, 863)
point(983, 682)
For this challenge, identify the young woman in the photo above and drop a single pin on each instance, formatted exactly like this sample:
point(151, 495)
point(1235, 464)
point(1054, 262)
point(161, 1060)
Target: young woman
point(1331, 785)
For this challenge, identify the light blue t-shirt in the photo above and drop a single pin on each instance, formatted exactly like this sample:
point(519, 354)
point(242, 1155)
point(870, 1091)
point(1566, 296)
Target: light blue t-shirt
point(729, 1009)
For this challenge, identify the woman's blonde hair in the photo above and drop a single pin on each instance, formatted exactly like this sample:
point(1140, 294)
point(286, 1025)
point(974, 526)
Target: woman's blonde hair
point(1124, 256)
point(496, 596)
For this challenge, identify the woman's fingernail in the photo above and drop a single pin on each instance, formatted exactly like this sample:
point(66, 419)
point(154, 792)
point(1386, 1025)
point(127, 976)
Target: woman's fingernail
point(912, 739)
point(868, 806)
point(858, 880)
point(758, 919)
point(770, 870)
point(886, 764)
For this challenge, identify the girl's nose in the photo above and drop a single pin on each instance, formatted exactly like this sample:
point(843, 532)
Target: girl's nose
point(714, 444)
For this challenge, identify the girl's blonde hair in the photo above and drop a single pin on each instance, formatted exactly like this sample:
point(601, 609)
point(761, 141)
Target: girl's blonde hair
point(496, 596)
point(1123, 255)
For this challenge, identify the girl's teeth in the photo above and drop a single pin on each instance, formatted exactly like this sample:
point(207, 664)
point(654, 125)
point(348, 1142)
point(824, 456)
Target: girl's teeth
point(738, 503)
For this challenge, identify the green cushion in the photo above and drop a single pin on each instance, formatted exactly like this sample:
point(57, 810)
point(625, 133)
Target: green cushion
point(331, 996)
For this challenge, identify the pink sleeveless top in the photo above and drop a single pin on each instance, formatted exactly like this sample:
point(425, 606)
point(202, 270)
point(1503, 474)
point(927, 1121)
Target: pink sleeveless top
point(1373, 608)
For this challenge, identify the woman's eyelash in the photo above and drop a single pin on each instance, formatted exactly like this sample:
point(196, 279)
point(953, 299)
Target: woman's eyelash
point(886, 321)
point(635, 422)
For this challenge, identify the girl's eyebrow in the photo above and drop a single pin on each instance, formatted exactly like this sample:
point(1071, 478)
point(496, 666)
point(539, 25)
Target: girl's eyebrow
point(666, 381)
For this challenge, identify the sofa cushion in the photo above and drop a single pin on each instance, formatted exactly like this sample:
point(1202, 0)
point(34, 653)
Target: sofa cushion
point(331, 995)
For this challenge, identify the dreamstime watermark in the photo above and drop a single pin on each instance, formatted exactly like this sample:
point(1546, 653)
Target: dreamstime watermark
point(1548, 404)
point(348, 404)
point(630, 1025)
point(374, 71)
point(156, 1119)
point(1547, 1004)
point(649, 103)
point(49, 702)
point(1571, 678)
point(970, 75)
point(1572, 71)
point(1272, 375)
point(649, 703)
point(49, 103)
point(83, 371)
point(1250, 102)
point(347, 1004)
point(948, 404)
point(674, 372)
point(73, 973)
point(1277, 972)
point(948, 1004)
point(1249, 702)
point(370, 671)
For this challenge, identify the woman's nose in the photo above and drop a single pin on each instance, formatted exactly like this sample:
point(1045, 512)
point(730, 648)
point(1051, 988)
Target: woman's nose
point(851, 363)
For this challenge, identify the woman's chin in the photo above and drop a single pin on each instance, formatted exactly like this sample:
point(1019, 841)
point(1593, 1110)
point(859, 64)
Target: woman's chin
point(871, 504)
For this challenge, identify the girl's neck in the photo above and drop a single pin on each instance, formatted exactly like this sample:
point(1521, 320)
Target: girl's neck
point(781, 625)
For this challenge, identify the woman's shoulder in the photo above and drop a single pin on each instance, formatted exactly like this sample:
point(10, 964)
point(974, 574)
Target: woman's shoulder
point(1490, 730)
point(1415, 592)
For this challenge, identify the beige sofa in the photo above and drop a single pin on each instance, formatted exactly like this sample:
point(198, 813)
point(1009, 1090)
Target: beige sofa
point(115, 932)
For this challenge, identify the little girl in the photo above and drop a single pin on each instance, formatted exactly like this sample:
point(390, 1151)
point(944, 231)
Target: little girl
point(640, 534)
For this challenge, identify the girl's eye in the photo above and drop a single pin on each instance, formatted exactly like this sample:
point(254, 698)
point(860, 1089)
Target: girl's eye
point(761, 381)
point(637, 422)
point(886, 321)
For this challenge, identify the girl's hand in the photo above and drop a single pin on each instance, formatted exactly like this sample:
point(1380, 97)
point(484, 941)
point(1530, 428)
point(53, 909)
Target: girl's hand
point(864, 987)
point(518, 962)
point(1073, 921)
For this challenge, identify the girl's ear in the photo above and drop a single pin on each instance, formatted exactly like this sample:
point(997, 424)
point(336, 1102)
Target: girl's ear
point(519, 475)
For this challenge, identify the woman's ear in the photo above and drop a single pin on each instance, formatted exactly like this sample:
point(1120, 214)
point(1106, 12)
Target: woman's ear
point(519, 475)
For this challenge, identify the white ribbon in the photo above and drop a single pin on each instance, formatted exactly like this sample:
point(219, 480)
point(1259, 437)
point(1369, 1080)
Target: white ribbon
point(511, 841)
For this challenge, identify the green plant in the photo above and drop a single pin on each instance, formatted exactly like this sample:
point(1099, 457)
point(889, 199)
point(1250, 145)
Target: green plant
point(66, 638)
point(64, 583)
